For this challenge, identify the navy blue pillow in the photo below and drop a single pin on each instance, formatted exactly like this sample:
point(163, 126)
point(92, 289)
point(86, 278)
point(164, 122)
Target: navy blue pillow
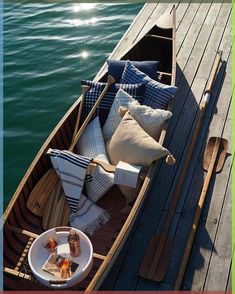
point(157, 95)
point(116, 67)
point(135, 90)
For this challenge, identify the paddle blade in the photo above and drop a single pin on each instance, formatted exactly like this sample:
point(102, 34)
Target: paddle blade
point(161, 267)
point(220, 157)
point(39, 195)
point(57, 211)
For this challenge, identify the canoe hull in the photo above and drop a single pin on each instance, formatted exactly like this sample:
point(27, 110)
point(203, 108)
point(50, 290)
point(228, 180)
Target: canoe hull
point(17, 215)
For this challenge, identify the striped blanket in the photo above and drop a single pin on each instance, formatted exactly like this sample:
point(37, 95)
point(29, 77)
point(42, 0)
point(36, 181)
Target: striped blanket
point(72, 169)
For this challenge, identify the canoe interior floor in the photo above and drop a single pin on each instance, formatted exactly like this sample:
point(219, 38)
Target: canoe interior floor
point(16, 244)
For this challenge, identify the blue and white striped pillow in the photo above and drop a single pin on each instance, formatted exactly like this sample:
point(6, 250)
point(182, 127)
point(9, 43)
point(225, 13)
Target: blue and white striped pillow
point(136, 91)
point(157, 95)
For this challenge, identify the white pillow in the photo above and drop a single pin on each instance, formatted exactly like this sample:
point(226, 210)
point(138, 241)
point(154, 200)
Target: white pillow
point(91, 144)
point(151, 120)
point(121, 99)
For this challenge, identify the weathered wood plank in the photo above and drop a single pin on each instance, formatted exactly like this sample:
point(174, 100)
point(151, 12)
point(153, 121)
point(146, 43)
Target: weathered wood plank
point(196, 87)
point(186, 219)
point(210, 214)
point(205, 10)
point(216, 128)
point(182, 9)
point(203, 247)
point(186, 23)
point(229, 283)
point(219, 267)
point(188, 62)
point(199, 81)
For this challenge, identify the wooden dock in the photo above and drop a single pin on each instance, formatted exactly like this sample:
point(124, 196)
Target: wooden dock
point(202, 29)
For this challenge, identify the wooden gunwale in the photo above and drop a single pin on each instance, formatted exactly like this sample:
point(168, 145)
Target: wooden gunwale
point(41, 163)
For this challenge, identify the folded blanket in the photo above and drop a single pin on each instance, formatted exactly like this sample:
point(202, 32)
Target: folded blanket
point(89, 216)
point(71, 169)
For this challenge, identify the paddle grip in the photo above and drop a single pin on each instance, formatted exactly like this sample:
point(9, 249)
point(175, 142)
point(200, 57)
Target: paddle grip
point(214, 72)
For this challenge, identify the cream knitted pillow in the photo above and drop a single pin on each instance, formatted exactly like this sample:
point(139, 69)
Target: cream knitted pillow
point(151, 120)
point(131, 144)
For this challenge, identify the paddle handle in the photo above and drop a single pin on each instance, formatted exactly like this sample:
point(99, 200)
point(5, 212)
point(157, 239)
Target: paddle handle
point(85, 88)
point(214, 72)
point(111, 80)
point(193, 231)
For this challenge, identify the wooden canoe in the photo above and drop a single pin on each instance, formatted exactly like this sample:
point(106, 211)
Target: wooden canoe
point(154, 41)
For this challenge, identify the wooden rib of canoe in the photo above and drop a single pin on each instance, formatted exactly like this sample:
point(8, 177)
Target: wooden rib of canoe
point(155, 40)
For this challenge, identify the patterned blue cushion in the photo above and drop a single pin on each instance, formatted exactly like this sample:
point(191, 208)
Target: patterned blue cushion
point(116, 67)
point(136, 91)
point(157, 95)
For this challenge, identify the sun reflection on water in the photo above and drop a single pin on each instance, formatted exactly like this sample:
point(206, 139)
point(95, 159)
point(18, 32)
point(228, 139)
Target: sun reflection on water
point(82, 22)
point(85, 16)
point(84, 54)
point(84, 7)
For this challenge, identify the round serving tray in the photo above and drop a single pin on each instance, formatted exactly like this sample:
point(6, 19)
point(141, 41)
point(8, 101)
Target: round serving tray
point(38, 255)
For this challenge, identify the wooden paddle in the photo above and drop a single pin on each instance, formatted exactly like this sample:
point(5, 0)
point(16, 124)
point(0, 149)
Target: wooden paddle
point(57, 210)
point(156, 258)
point(52, 216)
point(214, 158)
point(39, 195)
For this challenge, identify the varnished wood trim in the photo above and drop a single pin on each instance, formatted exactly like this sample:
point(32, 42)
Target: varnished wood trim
point(164, 73)
point(99, 256)
point(159, 37)
point(21, 231)
point(24, 253)
point(173, 77)
point(16, 273)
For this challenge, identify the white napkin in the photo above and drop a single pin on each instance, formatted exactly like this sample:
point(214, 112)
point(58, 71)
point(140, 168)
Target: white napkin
point(126, 174)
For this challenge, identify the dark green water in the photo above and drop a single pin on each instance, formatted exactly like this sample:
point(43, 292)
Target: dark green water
point(44, 61)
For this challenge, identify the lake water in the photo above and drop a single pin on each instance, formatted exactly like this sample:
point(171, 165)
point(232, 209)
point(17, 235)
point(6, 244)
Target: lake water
point(48, 49)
